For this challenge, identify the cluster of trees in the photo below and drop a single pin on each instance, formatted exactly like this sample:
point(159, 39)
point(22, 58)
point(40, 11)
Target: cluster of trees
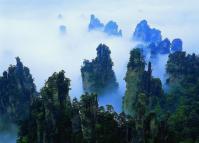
point(143, 101)
point(183, 95)
point(49, 120)
point(150, 115)
point(177, 108)
point(54, 118)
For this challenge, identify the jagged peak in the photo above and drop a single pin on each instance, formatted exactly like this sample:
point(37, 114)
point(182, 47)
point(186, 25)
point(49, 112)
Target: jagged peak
point(144, 33)
point(111, 28)
point(144, 23)
point(18, 62)
point(103, 47)
point(176, 45)
point(95, 23)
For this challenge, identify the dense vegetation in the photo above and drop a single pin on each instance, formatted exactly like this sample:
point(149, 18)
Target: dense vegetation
point(16, 92)
point(150, 113)
point(183, 95)
point(98, 75)
point(140, 85)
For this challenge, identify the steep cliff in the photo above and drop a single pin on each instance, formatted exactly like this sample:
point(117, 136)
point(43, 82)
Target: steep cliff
point(144, 33)
point(98, 75)
point(17, 91)
point(140, 82)
point(50, 117)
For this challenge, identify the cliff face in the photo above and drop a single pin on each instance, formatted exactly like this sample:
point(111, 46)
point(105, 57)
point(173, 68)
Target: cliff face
point(57, 108)
point(133, 80)
point(98, 75)
point(50, 116)
point(143, 101)
point(54, 119)
point(140, 83)
point(17, 91)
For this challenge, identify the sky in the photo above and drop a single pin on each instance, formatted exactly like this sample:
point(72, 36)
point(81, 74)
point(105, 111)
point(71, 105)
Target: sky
point(30, 29)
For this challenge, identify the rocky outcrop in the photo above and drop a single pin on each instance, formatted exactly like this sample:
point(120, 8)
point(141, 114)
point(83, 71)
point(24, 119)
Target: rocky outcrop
point(162, 47)
point(17, 91)
point(140, 84)
point(176, 45)
point(98, 75)
point(95, 24)
point(144, 33)
point(111, 28)
point(50, 117)
point(152, 40)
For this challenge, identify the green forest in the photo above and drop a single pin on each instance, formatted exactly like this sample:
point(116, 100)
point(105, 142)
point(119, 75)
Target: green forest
point(150, 113)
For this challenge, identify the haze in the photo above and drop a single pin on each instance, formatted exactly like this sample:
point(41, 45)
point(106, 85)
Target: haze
point(30, 30)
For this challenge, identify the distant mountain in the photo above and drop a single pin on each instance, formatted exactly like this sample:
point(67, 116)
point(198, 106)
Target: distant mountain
point(176, 45)
point(95, 23)
point(151, 40)
point(62, 29)
point(111, 28)
point(144, 33)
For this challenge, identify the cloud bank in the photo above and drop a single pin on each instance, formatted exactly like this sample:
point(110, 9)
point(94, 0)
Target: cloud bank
point(30, 30)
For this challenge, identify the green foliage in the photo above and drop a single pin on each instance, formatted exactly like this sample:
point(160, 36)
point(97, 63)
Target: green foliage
point(23, 140)
point(183, 99)
point(139, 82)
point(98, 75)
point(150, 115)
point(50, 118)
point(136, 61)
point(88, 114)
point(107, 129)
point(17, 91)
point(77, 135)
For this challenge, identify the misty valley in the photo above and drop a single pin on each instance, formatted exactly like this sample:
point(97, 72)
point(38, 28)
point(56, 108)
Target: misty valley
point(150, 110)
